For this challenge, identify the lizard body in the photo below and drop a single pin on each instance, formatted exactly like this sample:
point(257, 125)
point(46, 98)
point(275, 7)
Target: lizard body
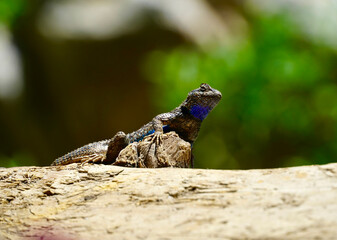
point(185, 120)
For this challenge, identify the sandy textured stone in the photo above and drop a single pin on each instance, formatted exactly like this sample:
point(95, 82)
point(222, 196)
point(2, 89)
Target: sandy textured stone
point(168, 150)
point(110, 202)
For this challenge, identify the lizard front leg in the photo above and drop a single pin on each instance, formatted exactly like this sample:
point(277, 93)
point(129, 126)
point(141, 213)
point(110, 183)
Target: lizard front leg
point(162, 119)
point(151, 155)
point(157, 123)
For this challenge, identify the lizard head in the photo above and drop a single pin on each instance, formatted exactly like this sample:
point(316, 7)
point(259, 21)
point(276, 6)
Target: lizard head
point(201, 101)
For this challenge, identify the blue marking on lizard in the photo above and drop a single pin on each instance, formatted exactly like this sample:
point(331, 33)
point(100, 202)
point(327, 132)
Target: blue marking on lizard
point(200, 112)
point(166, 128)
point(144, 135)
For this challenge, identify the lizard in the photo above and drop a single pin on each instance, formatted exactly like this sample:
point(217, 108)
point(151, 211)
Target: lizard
point(185, 120)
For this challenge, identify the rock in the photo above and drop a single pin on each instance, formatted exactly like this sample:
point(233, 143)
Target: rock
point(152, 152)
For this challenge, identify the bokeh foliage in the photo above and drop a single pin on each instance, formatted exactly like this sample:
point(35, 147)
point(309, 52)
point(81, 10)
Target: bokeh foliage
point(10, 10)
point(279, 105)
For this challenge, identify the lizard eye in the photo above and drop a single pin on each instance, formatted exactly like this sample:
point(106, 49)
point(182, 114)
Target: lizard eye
point(203, 87)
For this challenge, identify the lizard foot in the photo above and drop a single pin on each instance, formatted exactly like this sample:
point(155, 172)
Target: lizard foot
point(154, 142)
point(93, 158)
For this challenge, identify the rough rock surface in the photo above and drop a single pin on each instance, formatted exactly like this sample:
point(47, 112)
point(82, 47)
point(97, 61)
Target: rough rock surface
point(109, 202)
point(168, 151)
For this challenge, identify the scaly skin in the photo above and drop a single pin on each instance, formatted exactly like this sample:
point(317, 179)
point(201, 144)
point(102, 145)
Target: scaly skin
point(185, 120)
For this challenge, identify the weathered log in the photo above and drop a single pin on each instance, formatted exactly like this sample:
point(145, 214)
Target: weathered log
point(110, 202)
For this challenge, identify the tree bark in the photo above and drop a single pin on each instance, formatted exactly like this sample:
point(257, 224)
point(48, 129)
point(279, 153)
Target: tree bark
point(110, 202)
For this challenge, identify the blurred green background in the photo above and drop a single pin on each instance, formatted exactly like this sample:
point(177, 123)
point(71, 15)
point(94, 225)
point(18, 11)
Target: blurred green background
point(73, 72)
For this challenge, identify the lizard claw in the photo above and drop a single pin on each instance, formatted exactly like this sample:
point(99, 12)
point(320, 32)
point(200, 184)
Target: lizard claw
point(155, 140)
point(157, 137)
point(93, 158)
